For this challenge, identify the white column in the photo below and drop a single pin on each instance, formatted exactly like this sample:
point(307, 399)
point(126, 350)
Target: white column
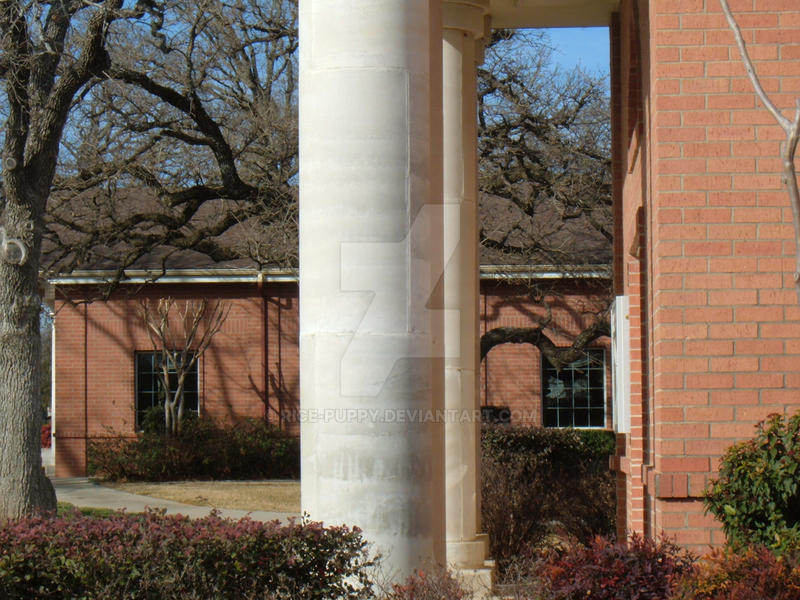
point(465, 24)
point(371, 347)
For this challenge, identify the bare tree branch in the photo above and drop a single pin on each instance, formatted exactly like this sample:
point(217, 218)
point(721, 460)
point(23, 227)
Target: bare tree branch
point(544, 145)
point(545, 181)
point(559, 357)
point(128, 137)
point(168, 131)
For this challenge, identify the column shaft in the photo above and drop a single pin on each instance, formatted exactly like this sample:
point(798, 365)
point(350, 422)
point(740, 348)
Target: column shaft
point(370, 254)
point(463, 25)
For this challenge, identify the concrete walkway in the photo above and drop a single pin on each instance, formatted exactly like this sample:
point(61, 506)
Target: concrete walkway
point(80, 492)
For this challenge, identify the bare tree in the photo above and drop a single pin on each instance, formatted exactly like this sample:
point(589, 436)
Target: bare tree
point(188, 142)
point(39, 89)
point(791, 127)
point(545, 182)
point(186, 108)
point(545, 148)
point(180, 333)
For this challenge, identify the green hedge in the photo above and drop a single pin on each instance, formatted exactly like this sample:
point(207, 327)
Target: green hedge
point(204, 450)
point(563, 446)
point(537, 482)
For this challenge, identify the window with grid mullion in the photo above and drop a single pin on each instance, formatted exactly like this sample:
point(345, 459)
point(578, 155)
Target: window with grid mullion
point(575, 396)
point(150, 390)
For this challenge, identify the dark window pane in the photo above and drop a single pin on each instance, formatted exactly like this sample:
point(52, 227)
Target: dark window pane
point(581, 417)
point(597, 377)
point(144, 382)
point(190, 384)
point(144, 361)
point(190, 402)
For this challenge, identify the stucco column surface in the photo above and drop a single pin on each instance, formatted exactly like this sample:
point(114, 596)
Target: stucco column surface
point(465, 24)
point(371, 342)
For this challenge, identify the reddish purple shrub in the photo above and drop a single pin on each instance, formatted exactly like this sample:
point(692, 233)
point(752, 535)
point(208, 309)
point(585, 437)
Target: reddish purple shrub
point(437, 584)
point(172, 557)
point(640, 569)
point(744, 574)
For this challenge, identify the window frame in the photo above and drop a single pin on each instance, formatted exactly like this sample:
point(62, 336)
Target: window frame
point(155, 376)
point(546, 369)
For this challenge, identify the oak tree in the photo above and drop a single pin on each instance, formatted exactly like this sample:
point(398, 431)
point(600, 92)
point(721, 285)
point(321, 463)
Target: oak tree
point(128, 128)
point(545, 182)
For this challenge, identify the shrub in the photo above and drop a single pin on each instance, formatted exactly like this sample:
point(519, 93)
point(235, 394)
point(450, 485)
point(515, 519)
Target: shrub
point(743, 575)
point(757, 494)
point(204, 450)
point(435, 584)
point(170, 557)
point(152, 420)
point(636, 570)
point(599, 444)
point(537, 482)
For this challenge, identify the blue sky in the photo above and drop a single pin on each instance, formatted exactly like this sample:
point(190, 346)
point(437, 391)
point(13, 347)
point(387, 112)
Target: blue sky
point(585, 46)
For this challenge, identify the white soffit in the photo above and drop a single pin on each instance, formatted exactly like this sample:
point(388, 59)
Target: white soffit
point(552, 13)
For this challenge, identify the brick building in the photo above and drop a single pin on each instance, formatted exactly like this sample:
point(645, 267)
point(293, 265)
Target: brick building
point(704, 246)
point(103, 377)
point(706, 334)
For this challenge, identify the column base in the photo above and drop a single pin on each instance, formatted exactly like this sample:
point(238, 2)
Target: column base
point(477, 580)
point(467, 559)
point(468, 554)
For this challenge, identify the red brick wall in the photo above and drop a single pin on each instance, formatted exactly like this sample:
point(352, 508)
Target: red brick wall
point(283, 357)
point(71, 417)
point(630, 123)
point(720, 343)
point(99, 400)
point(511, 374)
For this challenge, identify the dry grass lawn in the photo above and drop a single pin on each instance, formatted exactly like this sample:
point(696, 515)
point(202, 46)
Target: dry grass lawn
point(277, 496)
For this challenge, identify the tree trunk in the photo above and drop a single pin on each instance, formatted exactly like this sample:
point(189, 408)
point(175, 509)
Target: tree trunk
point(169, 413)
point(179, 401)
point(24, 489)
point(169, 416)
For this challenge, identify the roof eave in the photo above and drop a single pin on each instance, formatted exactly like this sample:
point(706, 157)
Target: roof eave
point(283, 275)
point(142, 276)
point(538, 272)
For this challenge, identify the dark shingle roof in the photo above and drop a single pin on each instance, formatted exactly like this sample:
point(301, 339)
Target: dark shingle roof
point(508, 236)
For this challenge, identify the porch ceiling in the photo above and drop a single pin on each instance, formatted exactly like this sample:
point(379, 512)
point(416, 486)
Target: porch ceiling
point(552, 13)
